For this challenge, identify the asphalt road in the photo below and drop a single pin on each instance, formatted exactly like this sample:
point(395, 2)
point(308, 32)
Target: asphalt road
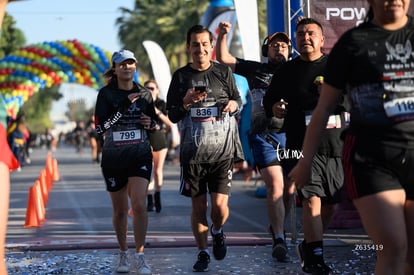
point(79, 209)
point(77, 236)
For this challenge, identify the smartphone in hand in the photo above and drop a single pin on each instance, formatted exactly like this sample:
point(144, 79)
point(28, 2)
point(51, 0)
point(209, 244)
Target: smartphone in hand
point(200, 89)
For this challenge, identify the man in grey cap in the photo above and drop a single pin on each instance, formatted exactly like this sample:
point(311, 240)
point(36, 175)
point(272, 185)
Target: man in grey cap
point(124, 113)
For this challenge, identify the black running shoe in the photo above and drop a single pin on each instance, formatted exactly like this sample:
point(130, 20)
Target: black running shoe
point(279, 248)
point(301, 254)
point(203, 260)
point(219, 246)
point(317, 269)
point(150, 203)
point(280, 251)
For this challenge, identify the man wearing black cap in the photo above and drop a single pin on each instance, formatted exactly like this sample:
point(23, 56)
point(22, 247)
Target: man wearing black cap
point(124, 113)
point(265, 134)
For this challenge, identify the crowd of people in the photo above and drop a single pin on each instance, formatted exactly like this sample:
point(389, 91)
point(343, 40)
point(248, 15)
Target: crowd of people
point(319, 123)
point(22, 141)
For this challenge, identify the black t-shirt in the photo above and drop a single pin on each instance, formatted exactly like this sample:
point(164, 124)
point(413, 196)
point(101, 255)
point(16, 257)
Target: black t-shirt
point(162, 106)
point(375, 68)
point(160, 134)
point(294, 83)
point(207, 135)
point(126, 142)
point(258, 76)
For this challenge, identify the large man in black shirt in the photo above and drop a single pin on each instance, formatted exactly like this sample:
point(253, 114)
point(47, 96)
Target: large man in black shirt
point(293, 95)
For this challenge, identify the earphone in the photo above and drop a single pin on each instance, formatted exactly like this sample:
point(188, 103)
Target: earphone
point(265, 44)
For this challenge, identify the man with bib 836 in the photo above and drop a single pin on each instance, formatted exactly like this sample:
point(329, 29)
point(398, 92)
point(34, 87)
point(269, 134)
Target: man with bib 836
point(203, 97)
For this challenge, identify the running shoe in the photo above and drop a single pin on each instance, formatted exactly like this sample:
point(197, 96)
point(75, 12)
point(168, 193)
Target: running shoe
point(123, 263)
point(280, 251)
point(219, 246)
point(142, 266)
point(317, 269)
point(203, 260)
point(309, 268)
point(279, 248)
point(301, 254)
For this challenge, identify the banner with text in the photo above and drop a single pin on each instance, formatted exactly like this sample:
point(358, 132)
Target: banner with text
point(337, 16)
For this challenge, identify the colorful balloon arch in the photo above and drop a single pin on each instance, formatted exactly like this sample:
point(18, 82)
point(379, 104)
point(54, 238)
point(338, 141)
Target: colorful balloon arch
point(42, 65)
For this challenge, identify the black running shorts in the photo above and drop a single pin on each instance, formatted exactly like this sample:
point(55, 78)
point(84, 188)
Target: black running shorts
point(117, 178)
point(158, 140)
point(327, 180)
point(198, 179)
point(373, 170)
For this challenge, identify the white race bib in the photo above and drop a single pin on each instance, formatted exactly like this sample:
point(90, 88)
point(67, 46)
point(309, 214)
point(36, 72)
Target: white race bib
point(399, 106)
point(128, 135)
point(204, 112)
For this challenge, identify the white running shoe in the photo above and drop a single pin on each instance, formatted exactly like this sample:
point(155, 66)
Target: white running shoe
point(142, 266)
point(123, 264)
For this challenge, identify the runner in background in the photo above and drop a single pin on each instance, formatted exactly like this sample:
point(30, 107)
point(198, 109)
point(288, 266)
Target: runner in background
point(159, 144)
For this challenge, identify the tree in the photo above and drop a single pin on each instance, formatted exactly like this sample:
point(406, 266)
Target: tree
point(262, 15)
point(37, 109)
point(12, 38)
point(78, 110)
point(166, 22)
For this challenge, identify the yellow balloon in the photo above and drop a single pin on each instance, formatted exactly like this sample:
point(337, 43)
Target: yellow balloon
point(43, 76)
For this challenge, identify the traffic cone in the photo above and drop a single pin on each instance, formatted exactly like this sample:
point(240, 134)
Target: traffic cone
point(49, 170)
point(56, 175)
point(48, 175)
point(40, 204)
point(31, 215)
point(44, 185)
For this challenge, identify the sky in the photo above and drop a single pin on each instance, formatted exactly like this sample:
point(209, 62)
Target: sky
point(88, 21)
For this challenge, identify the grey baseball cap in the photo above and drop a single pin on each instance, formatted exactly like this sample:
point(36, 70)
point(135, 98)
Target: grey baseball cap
point(122, 55)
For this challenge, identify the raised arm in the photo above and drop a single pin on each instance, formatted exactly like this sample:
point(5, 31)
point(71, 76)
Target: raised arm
point(222, 52)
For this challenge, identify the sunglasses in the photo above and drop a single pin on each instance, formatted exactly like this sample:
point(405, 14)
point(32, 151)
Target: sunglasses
point(279, 45)
point(150, 88)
